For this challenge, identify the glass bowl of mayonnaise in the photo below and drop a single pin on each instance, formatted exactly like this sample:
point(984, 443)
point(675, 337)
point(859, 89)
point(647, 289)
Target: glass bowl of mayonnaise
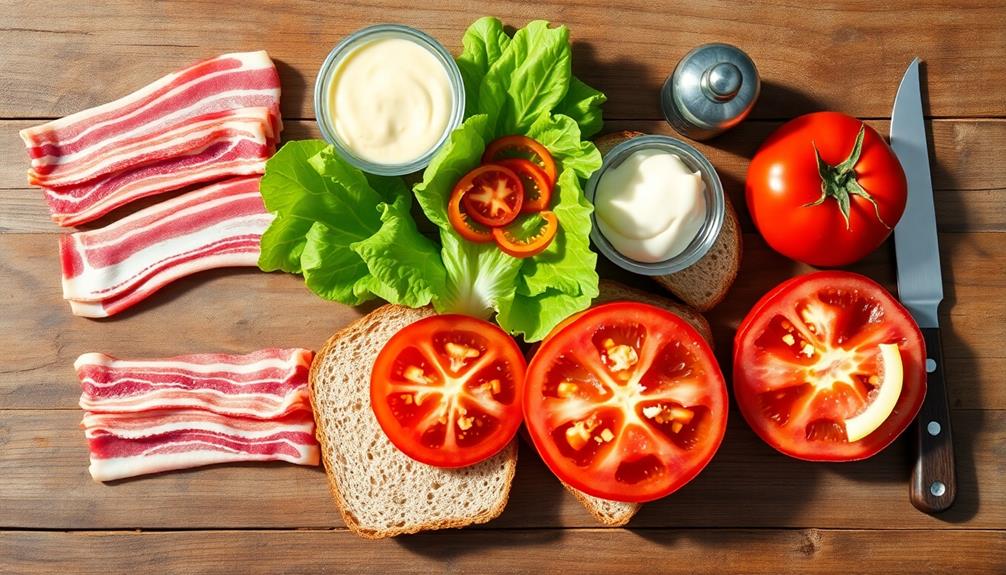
point(658, 205)
point(388, 97)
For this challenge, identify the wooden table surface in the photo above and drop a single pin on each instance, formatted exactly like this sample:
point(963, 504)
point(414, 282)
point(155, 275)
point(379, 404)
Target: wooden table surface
point(752, 511)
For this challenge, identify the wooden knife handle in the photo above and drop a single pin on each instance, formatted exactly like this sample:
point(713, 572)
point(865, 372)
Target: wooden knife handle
point(934, 480)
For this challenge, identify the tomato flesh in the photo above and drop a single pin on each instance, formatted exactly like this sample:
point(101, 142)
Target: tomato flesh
point(512, 242)
point(522, 147)
point(537, 190)
point(492, 195)
point(806, 358)
point(626, 402)
point(464, 224)
point(446, 390)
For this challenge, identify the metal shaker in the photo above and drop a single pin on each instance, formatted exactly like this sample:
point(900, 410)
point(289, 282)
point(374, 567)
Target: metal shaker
point(711, 90)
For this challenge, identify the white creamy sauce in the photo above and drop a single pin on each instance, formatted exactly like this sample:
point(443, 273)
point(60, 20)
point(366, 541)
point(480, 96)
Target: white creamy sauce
point(390, 100)
point(651, 206)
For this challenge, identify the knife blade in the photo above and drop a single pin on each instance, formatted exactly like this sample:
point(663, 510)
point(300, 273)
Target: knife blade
point(920, 285)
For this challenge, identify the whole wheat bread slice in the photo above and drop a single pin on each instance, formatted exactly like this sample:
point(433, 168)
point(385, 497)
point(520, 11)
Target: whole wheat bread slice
point(380, 491)
point(618, 513)
point(704, 284)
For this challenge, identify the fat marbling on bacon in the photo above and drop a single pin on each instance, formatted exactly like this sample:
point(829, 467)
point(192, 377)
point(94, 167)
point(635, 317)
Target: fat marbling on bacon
point(233, 144)
point(131, 444)
point(94, 142)
point(107, 270)
point(149, 415)
point(265, 384)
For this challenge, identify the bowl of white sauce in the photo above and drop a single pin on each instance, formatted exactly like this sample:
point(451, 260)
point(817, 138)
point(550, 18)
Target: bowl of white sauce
point(658, 205)
point(388, 97)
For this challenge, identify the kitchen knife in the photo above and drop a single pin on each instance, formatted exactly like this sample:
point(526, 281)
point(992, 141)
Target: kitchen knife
point(920, 285)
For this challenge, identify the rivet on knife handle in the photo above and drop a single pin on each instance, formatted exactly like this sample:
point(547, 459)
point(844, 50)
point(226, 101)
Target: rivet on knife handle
point(934, 479)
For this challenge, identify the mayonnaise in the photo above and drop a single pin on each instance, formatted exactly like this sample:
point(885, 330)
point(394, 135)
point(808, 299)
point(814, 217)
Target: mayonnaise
point(390, 100)
point(651, 206)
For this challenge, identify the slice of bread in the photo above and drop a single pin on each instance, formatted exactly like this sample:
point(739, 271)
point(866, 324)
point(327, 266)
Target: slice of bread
point(618, 513)
point(380, 491)
point(704, 284)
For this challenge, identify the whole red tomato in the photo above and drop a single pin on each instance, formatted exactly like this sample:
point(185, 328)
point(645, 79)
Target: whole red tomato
point(825, 189)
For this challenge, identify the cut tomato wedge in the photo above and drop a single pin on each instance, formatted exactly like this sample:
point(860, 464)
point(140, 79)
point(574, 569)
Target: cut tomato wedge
point(829, 367)
point(626, 402)
point(537, 189)
point(447, 390)
point(516, 241)
point(464, 224)
point(492, 194)
point(522, 147)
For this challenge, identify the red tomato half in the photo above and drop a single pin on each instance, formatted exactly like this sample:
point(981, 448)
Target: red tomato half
point(803, 220)
point(806, 360)
point(447, 390)
point(625, 402)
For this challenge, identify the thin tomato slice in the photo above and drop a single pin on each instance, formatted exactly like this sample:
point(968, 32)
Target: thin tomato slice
point(517, 241)
point(522, 147)
point(808, 357)
point(492, 194)
point(626, 402)
point(464, 224)
point(447, 389)
point(537, 189)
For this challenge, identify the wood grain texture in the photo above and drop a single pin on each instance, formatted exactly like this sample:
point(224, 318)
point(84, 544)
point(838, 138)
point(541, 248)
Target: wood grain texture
point(602, 551)
point(968, 176)
point(243, 309)
point(811, 55)
point(746, 485)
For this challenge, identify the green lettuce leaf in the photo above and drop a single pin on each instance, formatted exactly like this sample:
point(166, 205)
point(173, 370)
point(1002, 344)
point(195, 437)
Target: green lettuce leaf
point(529, 79)
point(481, 280)
point(583, 104)
point(350, 234)
point(460, 154)
point(483, 43)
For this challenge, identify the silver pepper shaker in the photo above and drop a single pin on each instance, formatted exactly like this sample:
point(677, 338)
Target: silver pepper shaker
point(711, 90)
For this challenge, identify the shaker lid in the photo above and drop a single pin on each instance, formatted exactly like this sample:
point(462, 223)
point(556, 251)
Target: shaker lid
point(715, 85)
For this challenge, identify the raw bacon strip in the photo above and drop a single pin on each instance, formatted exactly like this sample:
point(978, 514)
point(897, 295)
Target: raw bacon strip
point(261, 385)
point(127, 445)
point(234, 154)
point(227, 82)
point(216, 226)
point(166, 145)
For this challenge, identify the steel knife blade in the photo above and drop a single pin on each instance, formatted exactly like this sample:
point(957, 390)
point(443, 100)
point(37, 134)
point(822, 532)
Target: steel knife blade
point(920, 287)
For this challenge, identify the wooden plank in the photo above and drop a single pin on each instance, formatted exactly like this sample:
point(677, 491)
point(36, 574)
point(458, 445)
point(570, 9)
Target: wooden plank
point(44, 465)
point(602, 551)
point(969, 179)
point(241, 310)
point(810, 57)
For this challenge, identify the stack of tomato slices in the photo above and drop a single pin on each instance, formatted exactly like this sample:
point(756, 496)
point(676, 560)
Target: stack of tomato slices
point(516, 178)
point(624, 401)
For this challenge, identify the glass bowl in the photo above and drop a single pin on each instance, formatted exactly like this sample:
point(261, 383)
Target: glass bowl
point(715, 205)
point(344, 49)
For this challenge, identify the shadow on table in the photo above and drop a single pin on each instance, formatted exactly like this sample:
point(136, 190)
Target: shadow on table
point(295, 88)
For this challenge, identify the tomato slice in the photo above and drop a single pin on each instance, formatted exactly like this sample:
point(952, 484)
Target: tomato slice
point(808, 357)
point(522, 147)
point(516, 241)
point(464, 224)
point(447, 390)
point(537, 189)
point(626, 402)
point(492, 194)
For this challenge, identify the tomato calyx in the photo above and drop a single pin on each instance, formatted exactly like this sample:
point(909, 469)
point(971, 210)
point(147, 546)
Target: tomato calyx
point(839, 181)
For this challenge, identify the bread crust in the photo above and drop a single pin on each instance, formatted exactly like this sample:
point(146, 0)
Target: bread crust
point(391, 311)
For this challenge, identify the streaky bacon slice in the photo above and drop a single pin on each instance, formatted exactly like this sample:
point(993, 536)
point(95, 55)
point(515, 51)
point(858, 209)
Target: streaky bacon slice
point(130, 444)
point(231, 81)
point(265, 384)
point(178, 141)
point(114, 267)
point(235, 153)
